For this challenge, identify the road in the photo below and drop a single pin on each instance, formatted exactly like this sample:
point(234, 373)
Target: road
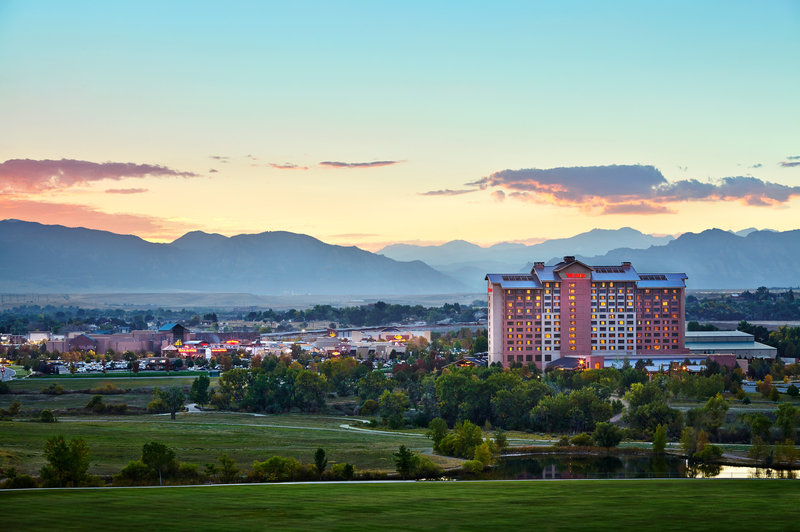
point(6, 374)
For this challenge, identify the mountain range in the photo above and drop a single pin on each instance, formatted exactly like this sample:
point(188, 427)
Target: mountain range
point(470, 262)
point(52, 258)
point(40, 258)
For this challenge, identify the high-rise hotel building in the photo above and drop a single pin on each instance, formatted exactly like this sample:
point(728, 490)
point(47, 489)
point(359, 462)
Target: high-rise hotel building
point(590, 313)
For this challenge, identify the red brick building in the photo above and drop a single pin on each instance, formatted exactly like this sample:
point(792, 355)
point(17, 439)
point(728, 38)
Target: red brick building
point(587, 312)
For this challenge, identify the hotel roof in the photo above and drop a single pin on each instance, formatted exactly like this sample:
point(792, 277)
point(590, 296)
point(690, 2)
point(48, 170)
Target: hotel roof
point(624, 272)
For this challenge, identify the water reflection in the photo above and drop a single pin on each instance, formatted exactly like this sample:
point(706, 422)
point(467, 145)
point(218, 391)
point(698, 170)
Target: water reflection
point(623, 466)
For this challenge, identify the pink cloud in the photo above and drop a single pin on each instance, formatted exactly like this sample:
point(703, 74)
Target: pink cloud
point(288, 166)
point(28, 175)
point(148, 227)
point(126, 190)
point(339, 164)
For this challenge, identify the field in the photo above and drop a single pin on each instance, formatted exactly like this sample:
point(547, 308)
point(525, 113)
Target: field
point(598, 505)
point(200, 438)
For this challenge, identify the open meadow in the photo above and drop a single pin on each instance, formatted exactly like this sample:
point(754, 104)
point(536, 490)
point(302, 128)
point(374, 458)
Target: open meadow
point(199, 438)
point(596, 505)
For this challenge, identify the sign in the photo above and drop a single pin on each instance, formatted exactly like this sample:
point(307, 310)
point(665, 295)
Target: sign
point(576, 275)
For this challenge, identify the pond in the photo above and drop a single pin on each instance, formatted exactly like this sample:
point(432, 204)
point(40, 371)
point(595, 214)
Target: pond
point(619, 466)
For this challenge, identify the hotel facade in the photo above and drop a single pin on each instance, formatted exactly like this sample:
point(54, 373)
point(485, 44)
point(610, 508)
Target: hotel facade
point(584, 313)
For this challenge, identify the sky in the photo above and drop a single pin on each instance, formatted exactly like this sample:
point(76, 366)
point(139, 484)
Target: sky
point(371, 123)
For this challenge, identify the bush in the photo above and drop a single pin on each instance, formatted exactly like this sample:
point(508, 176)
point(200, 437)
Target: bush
point(369, 407)
point(581, 440)
point(563, 441)
point(106, 388)
point(774, 394)
point(136, 473)
point(343, 471)
point(472, 466)
point(46, 416)
point(710, 453)
point(95, 404)
point(425, 468)
point(4, 387)
point(54, 389)
point(157, 406)
point(792, 391)
point(607, 435)
point(15, 482)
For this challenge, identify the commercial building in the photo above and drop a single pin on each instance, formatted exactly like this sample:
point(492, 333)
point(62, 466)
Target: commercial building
point(585, 312)
point(738, 343)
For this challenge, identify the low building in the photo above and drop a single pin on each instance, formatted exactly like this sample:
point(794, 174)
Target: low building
point(738, 343)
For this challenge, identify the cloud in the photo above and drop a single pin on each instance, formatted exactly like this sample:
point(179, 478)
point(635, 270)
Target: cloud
point(619, 189)
point(220, 158)
point(641, 207)
point(288, 166)
point(447, 192)
point(339, 164)
point(498, 195)
point(794, 157)
point(787, 164)
point(757, 165)
point(30, 176)
point(148, 227)
point(213, 171)
point(125, 190)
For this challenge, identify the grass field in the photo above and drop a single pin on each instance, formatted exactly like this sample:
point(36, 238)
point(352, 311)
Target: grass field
point(598, 505)
point(83, 383)
point(201, 438)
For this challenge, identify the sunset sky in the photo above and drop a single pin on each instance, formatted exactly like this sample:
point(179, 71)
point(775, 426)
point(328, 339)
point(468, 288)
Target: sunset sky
point(368, 123)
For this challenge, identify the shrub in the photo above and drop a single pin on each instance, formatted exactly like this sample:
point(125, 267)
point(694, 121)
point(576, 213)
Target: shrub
point(136, 473)
point(774, 395)
point(276, 469)
point(369, 407)
point(157, 406)
point(54, 389)
point(106, 388)
point(709, 453)
point(95, 404)
point(15, 482)
point(472, 466)
point(607, 435)
point(425, 468)
point(46, 416)
point(563, 441)
point(581, 440)
point(343, 471)
point(792, 391)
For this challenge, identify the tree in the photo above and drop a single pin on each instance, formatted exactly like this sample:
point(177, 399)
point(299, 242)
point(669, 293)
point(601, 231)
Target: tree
point(320, 461)
point(199, 391)
point(787, 418)
point(660, 439)
point(715, 410)
point(67, 464)
point(437, 430)
point(607, 435)
point(172, 399)
point(229, 471)
point(404, 461)
point(392, 406)
point(159, 457)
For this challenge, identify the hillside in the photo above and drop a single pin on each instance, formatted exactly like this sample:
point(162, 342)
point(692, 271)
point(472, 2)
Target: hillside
point(50, 258)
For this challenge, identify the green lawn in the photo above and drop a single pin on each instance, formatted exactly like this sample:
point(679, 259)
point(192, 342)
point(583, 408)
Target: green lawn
point(683, 505)
point(33, 403)
point(82, 383)
point(201, 438)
